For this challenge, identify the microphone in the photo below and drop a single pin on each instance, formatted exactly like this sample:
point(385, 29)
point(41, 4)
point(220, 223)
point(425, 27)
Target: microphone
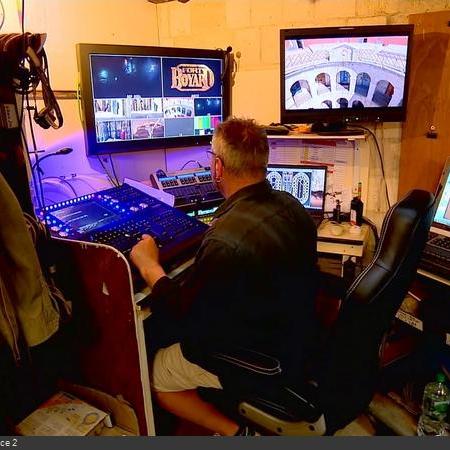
point(61, 151)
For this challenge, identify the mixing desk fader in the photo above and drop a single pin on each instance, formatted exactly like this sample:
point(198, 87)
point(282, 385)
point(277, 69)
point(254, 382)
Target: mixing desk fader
point(119, 216)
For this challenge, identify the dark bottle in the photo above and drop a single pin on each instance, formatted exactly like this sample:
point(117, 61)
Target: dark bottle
point(356, 211)
point(337, 212)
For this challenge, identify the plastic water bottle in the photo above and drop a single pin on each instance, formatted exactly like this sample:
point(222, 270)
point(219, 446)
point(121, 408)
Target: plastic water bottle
point(436, 399)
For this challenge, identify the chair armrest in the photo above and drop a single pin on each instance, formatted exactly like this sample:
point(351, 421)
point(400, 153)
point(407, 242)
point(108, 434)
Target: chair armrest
point(245, 360)
point(289, 404)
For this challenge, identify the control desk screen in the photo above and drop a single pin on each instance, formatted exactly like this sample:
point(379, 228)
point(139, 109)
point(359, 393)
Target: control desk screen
point(85, 217)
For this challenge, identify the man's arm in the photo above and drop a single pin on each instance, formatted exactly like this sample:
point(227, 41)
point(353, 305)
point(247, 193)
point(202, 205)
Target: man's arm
point(145, 256)
point(207, 293)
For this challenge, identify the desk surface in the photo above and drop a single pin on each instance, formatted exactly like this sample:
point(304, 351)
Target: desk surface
point(315, 136)
point(345, 244)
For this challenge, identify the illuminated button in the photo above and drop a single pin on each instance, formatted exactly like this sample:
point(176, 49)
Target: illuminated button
point(63, 234)
point(55, 228)
point(134, 208)
point(143, 205)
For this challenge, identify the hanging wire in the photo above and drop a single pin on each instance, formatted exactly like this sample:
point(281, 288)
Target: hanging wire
point(380, 156)
point(106, 171)
point(2, 13)
point(62, 181)
point(191, 161)
point(114, 170)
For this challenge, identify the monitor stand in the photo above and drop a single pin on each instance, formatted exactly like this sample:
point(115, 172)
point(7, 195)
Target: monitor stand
point(334, 129)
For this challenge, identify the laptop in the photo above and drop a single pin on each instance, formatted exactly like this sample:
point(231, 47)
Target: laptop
point(306, 183)
point(436, 255)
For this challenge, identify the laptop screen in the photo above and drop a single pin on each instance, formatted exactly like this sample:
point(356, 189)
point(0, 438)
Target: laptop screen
point(306, 183)
point(442, 215)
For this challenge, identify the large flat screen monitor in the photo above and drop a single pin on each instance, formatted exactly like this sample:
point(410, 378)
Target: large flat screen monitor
point(344, 74)
point(139, 98)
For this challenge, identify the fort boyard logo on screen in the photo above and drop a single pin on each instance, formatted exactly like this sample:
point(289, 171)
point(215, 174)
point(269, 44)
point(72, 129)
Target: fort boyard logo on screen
point(192, 77)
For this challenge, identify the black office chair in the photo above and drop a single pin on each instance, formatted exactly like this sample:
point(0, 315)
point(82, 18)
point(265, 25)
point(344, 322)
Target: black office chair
point(349, 364)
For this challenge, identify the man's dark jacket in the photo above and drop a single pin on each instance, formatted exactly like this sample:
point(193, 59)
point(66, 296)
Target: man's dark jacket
point(253, 281)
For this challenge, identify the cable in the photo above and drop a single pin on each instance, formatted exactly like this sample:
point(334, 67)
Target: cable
point(35, 150)
point(380, 157)
point(114, 170)
point(157, 24)
point(78, 178)
point(20, 121)
point(374, 229)
point(2, 12)
point(106, 171)
point(62, 180)
point(22, 17)
point(191, 161)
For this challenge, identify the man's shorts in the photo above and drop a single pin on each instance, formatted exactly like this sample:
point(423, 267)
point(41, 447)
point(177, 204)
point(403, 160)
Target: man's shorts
point(172, 372)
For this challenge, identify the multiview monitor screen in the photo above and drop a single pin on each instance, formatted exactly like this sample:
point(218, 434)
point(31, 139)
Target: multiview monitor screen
point(306, 183)
point(348, 73)
point(136, 98)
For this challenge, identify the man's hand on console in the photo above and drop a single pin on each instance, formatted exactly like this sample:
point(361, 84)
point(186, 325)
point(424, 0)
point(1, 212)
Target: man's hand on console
point(145, 256)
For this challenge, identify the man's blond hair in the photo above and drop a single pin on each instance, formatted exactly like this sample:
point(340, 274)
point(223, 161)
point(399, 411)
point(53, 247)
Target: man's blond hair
point(242, 146)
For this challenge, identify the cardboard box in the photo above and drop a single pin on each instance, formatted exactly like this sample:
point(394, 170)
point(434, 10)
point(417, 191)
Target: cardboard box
point(63, 415)
point(121, 414)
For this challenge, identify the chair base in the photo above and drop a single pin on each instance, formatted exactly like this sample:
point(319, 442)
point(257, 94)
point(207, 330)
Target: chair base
point(282, 427)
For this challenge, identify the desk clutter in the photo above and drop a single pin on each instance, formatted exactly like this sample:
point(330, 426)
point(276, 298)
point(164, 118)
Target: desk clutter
point(342, 233)
point(64, 415)
point(80, 411)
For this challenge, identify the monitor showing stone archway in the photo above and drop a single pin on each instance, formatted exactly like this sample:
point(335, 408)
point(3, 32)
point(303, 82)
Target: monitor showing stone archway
point(357, 104)
point(301, 92)
point(323, 83)
point(383, 93)
point(362, 84)
point(343, 79)
point(342, 102)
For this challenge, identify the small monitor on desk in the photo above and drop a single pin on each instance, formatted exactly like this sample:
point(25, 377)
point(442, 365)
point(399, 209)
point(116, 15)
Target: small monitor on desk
point(306, 183)
point(442, 215)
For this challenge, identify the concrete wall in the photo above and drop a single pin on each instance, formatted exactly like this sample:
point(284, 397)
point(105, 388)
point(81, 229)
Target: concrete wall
point(251, 27)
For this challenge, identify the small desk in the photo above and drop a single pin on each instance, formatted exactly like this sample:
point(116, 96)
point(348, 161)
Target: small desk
point(346, 244)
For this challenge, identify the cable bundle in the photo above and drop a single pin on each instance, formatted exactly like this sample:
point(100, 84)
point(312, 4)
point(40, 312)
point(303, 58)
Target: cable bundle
point(25, 67)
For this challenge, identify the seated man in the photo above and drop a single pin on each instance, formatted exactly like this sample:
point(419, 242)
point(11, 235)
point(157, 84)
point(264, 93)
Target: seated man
point(252, 284)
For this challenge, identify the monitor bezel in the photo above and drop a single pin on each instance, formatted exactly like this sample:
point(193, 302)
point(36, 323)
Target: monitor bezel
point(94, 148)
point(445, 175)
point(378, 114)
point(306, 166)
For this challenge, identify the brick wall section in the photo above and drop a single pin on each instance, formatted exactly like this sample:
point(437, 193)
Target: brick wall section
point(252, 27)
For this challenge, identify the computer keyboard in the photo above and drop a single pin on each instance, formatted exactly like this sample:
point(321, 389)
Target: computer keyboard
point(436, 255)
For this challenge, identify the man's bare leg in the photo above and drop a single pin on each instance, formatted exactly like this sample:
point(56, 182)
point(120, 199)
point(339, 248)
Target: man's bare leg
point(189, 405)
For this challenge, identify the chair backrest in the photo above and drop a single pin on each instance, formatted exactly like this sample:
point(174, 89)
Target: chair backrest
point(351, 360)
